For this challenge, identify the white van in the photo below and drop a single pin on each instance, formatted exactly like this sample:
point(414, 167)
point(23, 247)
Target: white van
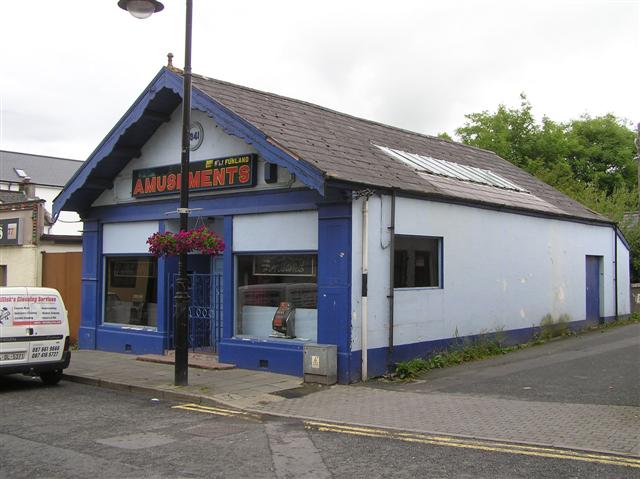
point(34, 333)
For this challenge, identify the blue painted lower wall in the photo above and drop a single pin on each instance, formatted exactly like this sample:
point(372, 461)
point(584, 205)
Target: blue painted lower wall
point(122, 340)
point(382, 360)
point(267, 355)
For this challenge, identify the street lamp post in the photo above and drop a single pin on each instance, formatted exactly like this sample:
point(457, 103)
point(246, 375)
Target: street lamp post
point(144, 9)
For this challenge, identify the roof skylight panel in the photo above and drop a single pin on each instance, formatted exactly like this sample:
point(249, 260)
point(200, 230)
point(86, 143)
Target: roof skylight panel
point(449, 169)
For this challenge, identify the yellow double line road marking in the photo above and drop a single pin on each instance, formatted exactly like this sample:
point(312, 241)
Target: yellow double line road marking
point(490, 446)
point(218, 411)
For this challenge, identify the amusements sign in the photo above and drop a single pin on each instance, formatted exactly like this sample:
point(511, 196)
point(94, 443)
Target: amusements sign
point(27, 310)
point(217, 174)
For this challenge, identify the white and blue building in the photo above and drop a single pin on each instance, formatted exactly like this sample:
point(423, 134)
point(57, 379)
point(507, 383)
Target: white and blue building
point(384, 240)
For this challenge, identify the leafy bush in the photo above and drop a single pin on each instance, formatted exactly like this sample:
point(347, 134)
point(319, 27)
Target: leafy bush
point(410, 369)
point(482, 346)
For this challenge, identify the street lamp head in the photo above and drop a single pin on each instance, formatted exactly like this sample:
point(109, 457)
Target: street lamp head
point(141, 8)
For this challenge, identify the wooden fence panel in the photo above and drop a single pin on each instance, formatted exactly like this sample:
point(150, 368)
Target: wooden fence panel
point(63, 271)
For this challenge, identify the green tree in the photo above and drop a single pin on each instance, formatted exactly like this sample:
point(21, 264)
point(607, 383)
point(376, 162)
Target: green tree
point(573, 157)
point(601, 152)
point(509, 132)
point(590, 159)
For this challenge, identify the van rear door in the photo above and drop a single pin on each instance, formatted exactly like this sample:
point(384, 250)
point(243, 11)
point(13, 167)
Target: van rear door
point(15, 327)
point(48, 325)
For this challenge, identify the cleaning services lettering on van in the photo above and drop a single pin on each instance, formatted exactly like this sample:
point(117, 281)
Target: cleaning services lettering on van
point(34, 333)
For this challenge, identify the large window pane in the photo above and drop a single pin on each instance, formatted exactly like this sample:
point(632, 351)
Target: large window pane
point(131, 290)
point(266, 281)
point(417, 262)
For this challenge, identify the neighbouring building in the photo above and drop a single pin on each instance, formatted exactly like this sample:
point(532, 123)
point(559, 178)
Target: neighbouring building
point(383, 240)
point(47, 176)
point(34, 249)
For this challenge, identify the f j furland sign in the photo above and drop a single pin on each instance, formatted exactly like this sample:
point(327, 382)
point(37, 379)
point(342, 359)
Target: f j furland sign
point(218, 174)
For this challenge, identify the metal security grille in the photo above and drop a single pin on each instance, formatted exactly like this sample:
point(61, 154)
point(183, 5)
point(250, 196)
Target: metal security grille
point(427, 164)
point(205, 311)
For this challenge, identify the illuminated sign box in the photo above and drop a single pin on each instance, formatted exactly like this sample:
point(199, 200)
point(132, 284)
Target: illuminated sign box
point(217, 174)
point(11, 231)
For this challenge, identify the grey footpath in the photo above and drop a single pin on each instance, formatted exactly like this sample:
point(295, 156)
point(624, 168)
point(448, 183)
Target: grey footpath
point(568, 424)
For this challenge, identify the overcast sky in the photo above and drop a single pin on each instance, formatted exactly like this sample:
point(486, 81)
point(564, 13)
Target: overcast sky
point(69, 69)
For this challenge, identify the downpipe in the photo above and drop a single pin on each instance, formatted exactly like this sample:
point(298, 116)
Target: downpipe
point(615, 269)
point(365, 272)
point(392, 246)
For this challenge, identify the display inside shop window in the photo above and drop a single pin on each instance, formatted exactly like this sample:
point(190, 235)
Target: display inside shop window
point(131, 291)
point(277, 296)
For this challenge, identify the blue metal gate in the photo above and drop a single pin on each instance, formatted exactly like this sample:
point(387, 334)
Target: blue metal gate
point(205, 311)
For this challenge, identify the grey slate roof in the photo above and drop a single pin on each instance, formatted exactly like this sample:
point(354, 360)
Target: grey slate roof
point(43, 170)
point(343, 147)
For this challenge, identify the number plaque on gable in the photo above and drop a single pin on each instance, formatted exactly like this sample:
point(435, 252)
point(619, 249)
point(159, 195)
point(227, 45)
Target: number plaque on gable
point(196, 135)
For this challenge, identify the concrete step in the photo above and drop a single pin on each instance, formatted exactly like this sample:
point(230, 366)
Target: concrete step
point(195, 360)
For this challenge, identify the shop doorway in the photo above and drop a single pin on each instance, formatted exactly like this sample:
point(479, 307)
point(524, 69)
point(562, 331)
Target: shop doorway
point(205, 304)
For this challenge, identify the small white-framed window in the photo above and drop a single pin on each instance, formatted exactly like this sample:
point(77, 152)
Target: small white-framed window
point(417, 262)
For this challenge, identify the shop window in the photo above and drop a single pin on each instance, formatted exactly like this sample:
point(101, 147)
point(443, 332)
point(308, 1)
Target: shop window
point(131, 290)
point(417, 262)
point(3, 274)
point(267, 281)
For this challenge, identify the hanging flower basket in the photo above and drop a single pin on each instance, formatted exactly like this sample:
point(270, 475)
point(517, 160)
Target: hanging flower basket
point(191, 241)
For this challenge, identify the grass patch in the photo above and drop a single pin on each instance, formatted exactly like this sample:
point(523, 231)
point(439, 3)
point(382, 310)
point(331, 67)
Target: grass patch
point(551, 328)
point(488, 345)
point(634, 318)
point(483, 346)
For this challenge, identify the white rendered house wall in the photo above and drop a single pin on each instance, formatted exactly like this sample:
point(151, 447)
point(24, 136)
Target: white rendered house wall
point(500, 271)
point(68, 222)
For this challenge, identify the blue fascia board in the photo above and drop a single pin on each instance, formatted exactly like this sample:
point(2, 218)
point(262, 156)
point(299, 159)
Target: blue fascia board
point(268, 201)
point(132, 115)
point(230, 122)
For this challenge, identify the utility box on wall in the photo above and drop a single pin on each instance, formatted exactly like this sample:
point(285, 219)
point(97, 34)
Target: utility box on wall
point(320, 363)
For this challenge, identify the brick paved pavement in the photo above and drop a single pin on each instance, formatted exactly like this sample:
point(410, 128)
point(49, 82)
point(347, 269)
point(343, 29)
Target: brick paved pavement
point(569, 424)
point(577, 426)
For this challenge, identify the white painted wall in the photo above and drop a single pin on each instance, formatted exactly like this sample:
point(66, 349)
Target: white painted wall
point(68, 222)
point(501, 271)
point(125, 238)
point(624, 279)
point(23, 265)
point(293, 231)
point(164, 147)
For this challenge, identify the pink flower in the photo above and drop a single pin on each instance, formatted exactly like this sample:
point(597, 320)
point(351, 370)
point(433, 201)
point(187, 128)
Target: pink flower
point(194, 240)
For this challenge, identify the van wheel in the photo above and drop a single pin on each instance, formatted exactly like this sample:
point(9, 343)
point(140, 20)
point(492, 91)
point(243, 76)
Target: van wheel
point(51, 377)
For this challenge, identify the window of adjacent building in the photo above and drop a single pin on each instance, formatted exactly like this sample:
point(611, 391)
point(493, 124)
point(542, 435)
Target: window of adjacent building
point(131, 290)
point(265, 281)
point(3, 274)
point(417, 262)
